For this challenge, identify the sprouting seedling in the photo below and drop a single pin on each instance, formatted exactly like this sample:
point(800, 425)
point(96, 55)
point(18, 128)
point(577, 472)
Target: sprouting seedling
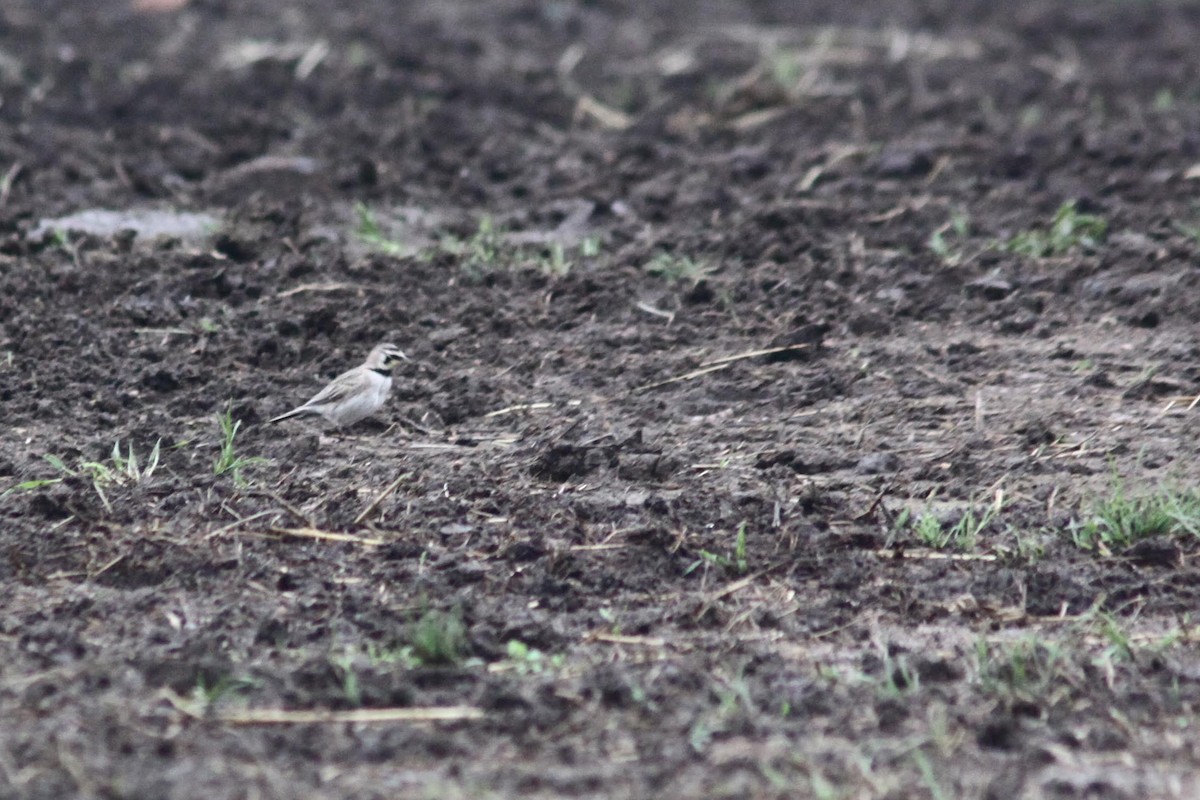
point(440, 637)
point(228, 461)
point(128, 467)
point(555, 263)
point(483, 252)
point(674, 268)
point(208, 693)
point(930, 531)
point(350, 684)
point(529, 660)
point(1192, 231)
point(370, 232)
point(735, 561)
point(786, 68)
point(947, 241)
point(124, 470)
point(739, 549)
point(1070, 229)
point(1121, 519)
point(484, 246)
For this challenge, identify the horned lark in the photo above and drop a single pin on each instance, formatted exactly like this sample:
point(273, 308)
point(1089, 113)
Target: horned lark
point(355, 394)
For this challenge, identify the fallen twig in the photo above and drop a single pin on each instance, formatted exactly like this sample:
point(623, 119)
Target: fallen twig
point(6, 183)
point(518, 407)
point(282, 716)
point(1192, 402)
point(718, 364)
point(754, 353)
point(291, 509)
point(328, 536)
point(588, 548)
point(931, 555)
point(669, 316)
point(685, 377)
point(242, 521)
point(380, 498)
point(590, 107)
point(613, 638)
point(322, 287)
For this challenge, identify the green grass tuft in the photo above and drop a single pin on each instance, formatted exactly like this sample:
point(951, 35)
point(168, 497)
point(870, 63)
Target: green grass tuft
point(1121, 519)
point(675, 268)
point(931, 532)
point(372, 235)
point(439, 637)
point(527, 660)
point(228, 461)
point(490, 250)
point(121, 470)
point(735, 561)
point(1069, 230)
point(947, 242)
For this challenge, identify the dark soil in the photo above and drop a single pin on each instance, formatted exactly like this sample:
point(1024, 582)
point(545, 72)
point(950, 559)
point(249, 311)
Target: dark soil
point(668, 574)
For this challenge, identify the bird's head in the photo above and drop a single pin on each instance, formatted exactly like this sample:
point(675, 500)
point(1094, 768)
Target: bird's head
point(385, 356)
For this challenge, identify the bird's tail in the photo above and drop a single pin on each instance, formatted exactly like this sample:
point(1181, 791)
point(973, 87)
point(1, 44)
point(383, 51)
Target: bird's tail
point(295, 412)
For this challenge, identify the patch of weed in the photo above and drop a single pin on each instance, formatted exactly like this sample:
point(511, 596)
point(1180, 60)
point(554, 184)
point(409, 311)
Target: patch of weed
point(129, 468)
point(1030, 545)
point(30, 485)
point(733, 700)
point(1031, 116)
point(609, 616)
point(228, 460)
point(734, 561)
point(206, 695)
point(899, 678)
point(379, 656)
point(479, 253)
point(925, 768)
point(1190, 230)
point(439, 637)
point(527, 660)
point(931, 532)
point(948, 241)
point(351, 689)
point(1069, 230)
point(554, 263)
point(1024, 668)
point(122, 469)
point(785, 68)
point(821, 787)
point(372, 235)
point(1120, 643)
point(488, 250)
point(1119, 519)
point(675, 268)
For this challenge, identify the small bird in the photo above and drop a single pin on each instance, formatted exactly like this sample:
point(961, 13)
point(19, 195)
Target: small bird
point(355, 394)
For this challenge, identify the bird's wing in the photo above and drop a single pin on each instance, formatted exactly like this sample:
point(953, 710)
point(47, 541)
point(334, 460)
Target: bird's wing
point(343, 386)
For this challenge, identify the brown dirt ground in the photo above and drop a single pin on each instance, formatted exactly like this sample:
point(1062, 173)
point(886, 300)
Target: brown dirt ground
point(781, 166)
